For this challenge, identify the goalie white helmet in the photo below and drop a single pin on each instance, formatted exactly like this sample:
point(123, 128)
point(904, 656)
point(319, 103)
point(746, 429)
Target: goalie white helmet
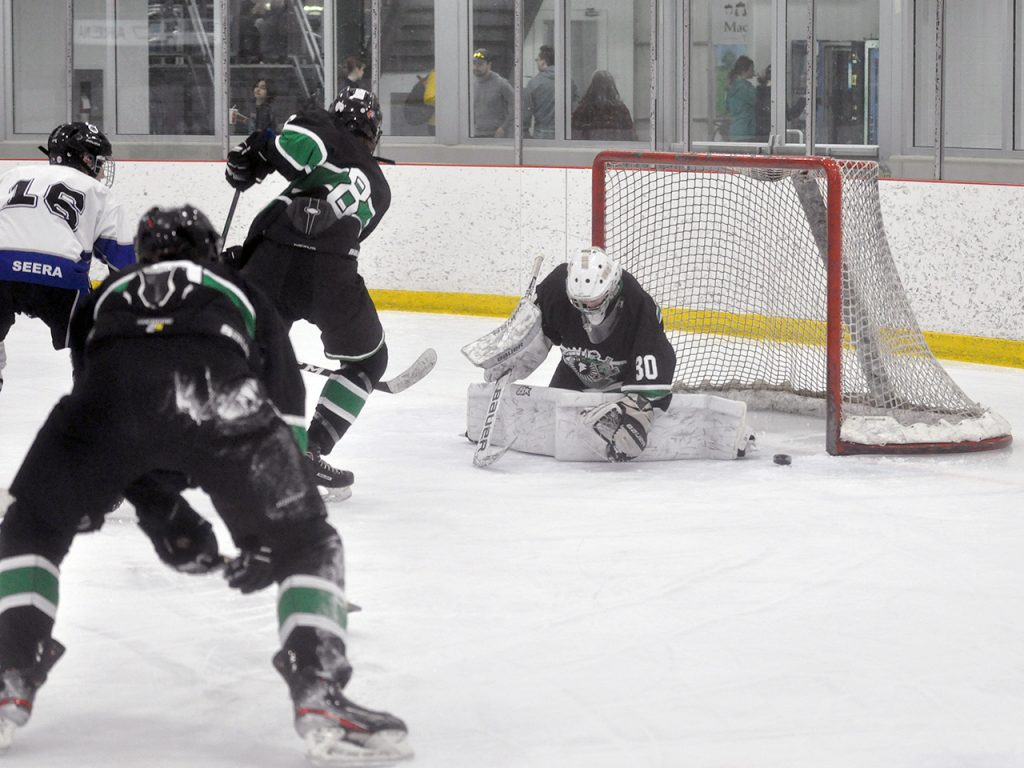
point(593, 283)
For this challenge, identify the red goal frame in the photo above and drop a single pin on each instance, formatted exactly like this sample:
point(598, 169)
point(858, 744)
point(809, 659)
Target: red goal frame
point(830, 169)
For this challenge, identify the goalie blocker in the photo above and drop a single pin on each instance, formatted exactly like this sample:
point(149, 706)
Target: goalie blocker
point(566, 425)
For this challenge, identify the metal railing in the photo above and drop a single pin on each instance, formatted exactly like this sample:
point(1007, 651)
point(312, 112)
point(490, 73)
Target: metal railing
point(311, 44)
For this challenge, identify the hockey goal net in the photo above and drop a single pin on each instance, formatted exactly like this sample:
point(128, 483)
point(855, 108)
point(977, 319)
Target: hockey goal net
point(777, 286)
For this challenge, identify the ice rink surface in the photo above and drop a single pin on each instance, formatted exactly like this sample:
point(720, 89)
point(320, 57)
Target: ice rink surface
point(859, 612)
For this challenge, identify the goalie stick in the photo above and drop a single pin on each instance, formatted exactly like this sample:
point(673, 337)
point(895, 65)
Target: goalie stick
point(420, 367)
point(484, 455)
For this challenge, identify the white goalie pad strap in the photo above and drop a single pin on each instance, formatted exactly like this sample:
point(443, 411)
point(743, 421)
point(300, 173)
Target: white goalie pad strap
point(549, 422)
point(508, 339)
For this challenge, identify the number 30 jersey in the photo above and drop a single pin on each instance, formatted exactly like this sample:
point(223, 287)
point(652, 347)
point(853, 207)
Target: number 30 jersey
point(53, 219)
point(634, 357)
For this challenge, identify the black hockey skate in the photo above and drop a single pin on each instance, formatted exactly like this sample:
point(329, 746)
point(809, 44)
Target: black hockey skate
point(338, 732)
point(18, 689)
point(338, 482)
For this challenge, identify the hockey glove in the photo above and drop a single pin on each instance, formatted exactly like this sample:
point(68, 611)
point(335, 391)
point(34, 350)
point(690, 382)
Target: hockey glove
point(251, 571)
point(93, 522)
point(623, 425)
point(248, 163)
point(234, 256)
point(182, 539)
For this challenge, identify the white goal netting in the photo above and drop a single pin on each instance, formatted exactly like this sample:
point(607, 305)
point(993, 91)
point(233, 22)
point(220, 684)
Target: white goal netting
point(744, 253)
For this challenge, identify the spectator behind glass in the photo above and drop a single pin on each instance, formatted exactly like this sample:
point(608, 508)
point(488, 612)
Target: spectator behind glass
point(601, 114)
point(420, 103)
point(261, 113)
point(493, 99)
point(248, 33)
point(763, 107)
point(273, 31)
point(539, 97)
point(355, 72)
point(740, 100)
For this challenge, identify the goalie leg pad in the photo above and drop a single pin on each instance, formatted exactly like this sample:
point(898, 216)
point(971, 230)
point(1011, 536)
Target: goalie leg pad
point(527, 417)
point(549, 422)
point(623, 425)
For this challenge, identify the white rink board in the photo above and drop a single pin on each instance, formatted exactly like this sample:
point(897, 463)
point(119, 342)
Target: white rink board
point(959, 247)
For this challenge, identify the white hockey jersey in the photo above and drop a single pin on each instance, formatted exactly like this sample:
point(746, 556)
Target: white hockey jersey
point(53, 219)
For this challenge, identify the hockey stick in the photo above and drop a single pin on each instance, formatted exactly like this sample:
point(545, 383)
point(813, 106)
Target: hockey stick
point(231, 215)
point(484, 455)
point(421, 366)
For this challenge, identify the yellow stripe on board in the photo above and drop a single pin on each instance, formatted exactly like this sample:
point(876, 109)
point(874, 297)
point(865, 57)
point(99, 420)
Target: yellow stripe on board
point(976, 349)
point(948, 346)
point(789, 330)
point(445, 303)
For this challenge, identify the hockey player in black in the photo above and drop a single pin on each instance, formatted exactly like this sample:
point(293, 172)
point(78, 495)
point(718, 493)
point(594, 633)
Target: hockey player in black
point(183, 367)
point(303, 249)
point(612, 339)
point(53, 220)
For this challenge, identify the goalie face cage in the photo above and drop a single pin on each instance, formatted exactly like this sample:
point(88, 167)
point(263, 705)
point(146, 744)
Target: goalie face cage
point(777, 287)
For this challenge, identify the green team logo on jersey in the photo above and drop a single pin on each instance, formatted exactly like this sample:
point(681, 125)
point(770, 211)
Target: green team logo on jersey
point(351, 197)
point(348, 188)
point(349, 193)
point(593, 368)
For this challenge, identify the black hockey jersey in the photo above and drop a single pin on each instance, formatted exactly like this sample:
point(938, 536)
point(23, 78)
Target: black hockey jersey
point(336, 171)
point(186, 299)
point(636, 357)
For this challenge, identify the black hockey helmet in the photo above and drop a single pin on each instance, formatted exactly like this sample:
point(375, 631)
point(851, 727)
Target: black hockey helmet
point(81, 146)
point(166, 234)
point(357, 110)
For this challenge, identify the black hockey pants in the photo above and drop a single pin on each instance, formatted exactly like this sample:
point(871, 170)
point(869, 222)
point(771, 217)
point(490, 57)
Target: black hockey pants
point(181, 405)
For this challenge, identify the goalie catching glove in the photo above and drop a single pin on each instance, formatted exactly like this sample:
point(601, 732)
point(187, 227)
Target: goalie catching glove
point(518, 346)
point(623, 425)
point(248, 163)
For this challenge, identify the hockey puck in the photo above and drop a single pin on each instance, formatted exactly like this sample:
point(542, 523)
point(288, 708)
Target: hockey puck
point(783, 459)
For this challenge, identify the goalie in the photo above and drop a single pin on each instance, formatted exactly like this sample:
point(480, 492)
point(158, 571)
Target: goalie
point(611, 337)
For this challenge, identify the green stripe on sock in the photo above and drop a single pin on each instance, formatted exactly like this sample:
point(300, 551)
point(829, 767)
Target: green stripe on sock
point(344, 398)
point(30, 579)
point(301, 438)
point(311, 600)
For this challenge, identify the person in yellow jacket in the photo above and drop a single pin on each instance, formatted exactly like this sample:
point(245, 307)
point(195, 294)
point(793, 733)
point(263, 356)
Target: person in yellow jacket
point(430, 97)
